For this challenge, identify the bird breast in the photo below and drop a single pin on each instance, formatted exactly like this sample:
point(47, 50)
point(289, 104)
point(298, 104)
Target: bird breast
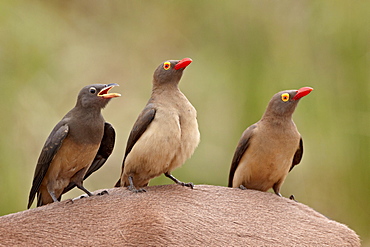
point(268, 158)
point(68, 161)
point(169, 140)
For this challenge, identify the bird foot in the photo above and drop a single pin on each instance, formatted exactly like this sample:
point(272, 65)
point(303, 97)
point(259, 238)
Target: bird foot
point(191, 185)
point(133, 189)
point(291, 197)
point(104, 192)
point(167, 174)
point(83, 196)
point(69, 201)
point(242, 187)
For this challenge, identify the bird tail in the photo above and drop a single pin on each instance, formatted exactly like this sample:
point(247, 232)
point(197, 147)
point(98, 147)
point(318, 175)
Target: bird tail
point(30, 199)
point(43, 198)
point(230, 184)
point(39, 199)
point(118, 184)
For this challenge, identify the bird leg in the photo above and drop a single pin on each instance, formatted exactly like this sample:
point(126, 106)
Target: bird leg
point(291, 197)
point(52, 194)
point(191, 185)
point(242, 187)
point(81, 187)
point(132, 187)
point(276, 188)
point(77, 179)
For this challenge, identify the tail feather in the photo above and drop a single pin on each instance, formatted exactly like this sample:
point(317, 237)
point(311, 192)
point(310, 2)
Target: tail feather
point(118, 184)
point(39, 199)
point(44, 198)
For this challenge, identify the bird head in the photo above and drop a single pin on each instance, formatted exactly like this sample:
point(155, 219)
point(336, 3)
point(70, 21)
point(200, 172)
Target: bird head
point(170, 71)
point(284, 103)
point(96, 95)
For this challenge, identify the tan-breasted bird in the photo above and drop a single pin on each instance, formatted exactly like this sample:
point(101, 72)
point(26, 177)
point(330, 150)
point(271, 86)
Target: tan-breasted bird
point(270, 148)
point(165, 134)
point(77, 146)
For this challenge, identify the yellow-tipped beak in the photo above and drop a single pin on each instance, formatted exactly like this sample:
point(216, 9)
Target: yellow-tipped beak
point(104, 93)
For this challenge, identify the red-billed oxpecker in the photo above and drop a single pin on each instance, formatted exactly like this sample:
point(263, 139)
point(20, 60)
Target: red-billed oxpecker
point(270, 148)
point(77, 146)
point(165, 134)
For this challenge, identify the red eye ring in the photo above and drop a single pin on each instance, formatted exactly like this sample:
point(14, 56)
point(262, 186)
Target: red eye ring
point(166, 65)
point(285, 97)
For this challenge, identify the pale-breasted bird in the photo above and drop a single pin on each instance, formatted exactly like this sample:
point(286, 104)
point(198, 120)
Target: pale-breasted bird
point(77, 146)
point(165, 134)
point(270, 148)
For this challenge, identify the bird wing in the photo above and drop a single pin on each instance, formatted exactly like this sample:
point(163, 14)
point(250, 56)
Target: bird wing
point(298, 155)
point(51, 147)
point(240, 150)
point(141, 124)
point(105, 150)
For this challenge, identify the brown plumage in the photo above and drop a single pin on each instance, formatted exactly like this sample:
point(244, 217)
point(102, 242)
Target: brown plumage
point(270, 148)
point(165, 134)
point(77, 146)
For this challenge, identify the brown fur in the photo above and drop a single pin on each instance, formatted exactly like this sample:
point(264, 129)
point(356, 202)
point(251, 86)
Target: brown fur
point(172, 215)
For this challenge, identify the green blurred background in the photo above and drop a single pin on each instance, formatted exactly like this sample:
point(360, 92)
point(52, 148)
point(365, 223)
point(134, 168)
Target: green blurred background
point(243, 52)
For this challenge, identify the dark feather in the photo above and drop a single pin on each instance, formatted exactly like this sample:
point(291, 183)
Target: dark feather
point(140, 126)
point(298, 155)
point(51, 147)
point(240, 150)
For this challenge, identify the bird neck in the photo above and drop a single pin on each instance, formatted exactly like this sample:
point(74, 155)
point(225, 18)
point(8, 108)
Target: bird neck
point(87, 112)
point(86, 106)
point(160, 88)
point(275, 119)
point(86, 125)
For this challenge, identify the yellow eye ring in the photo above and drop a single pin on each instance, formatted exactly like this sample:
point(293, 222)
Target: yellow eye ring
point(166, 65)
point(285, 97)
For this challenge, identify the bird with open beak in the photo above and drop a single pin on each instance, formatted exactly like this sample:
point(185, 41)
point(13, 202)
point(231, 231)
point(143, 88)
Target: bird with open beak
point(77, 146)
point(165, 134)
point(270, 148)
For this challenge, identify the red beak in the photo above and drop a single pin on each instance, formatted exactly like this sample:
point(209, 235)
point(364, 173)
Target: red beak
point(302, 92)
point(183, 63)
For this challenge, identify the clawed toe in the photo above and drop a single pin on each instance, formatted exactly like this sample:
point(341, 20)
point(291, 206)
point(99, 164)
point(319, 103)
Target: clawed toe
point(191, 185)
point(104, 192)
point(167, 174)
point(291, 197)
point(134, 190)
point(69, 201)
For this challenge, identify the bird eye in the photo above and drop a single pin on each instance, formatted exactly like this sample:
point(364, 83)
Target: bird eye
point(285, 97)
point(92, 90)
point(167, 65)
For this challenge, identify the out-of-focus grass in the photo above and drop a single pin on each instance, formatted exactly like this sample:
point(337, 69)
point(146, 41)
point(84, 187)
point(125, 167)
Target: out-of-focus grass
point(243, 53)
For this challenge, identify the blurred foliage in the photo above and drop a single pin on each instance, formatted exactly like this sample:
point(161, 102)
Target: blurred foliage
point(243, 52)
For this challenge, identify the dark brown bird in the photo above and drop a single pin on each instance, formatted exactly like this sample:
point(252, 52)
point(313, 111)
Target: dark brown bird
point(77, 146)
point(270, 148)
point(165, 134)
